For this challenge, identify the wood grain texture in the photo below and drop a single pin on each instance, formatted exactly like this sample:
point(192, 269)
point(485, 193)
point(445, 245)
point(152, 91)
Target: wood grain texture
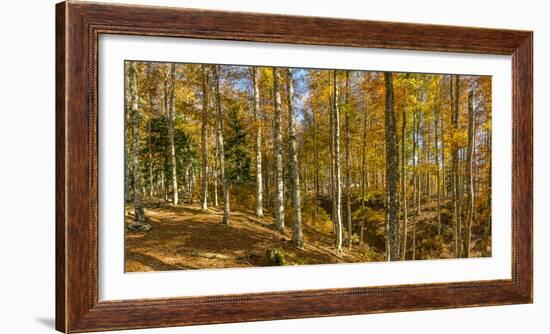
point(78, 26)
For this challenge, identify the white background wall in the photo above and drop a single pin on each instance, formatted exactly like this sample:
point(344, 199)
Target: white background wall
point(27, 157)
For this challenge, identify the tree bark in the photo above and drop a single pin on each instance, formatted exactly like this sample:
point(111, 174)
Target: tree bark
point(172, 147)
point(204, 140)
point(278, 143)
point(220, 143)
point(151, 93)
point(128, 139)
point(331, 187)
point(438, 173)
point(259, 188)
point(316, 171)
point(140, 223)
point(337, 177)
point(348, 176)
point(363, 171)
point(392, 168)
point(469, 174)
point(454, 162)
point(403, 251)
point(215, 174)
point(150, 162)
point(297, 237)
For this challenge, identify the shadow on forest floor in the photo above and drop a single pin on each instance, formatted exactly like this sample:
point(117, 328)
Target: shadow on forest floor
point(185, 237)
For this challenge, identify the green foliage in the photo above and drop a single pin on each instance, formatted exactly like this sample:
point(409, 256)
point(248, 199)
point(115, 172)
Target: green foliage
point(185, 147)
point(431, 248)
point(369, 215)
point(275, 257)
point(373, 198)
point(238, 158)
point(322, 222)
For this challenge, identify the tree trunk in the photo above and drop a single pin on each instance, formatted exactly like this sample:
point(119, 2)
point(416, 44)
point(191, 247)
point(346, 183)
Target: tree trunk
point(469, 174)
point(454, 162)
point(221, 152)
point(348, 181)
point(404, 184)
point(128, 155)
point(364, 176)
point(204, 140)
point(415, 179)
point(150, 162)
point(172, 147)
point(337, 177)
point(297, 237)
point(316, 171)
point(278, 143)
point(438, 173)
point(267, 169)
point(259, 188)
point(392, 169)
point(191, 181)
point(140, 223)
point(215, 175)
point(331, 187)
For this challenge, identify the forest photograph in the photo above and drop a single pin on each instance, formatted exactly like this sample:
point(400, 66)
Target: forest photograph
point(230, 166)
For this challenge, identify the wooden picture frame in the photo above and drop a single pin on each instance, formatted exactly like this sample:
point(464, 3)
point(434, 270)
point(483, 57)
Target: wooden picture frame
point(78, 25)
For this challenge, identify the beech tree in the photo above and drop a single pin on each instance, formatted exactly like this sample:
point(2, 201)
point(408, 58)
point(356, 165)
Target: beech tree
point(259, 186)
point(391, 169)
point(455, 97)
point(405, 209)
point(140, 222)
point(220, 143)
point(172, 147)
point(204, 140)
point(348, 151)
point(337, 177)
point(297, 237)
point(278, 143)
point(469, 173)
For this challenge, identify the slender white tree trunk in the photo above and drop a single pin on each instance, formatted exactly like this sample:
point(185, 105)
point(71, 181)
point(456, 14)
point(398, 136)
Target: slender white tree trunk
point(364, 176)
point(348, 175)
point(204, 140)
point(455, 91)
point(172, 147)
point(215, 175)
point(259, 188)
point(140, 223)
point(438, 175)
point(403, 251)
point(469, 174)
point(297, 237)
point(337, 172)
point(278, 141)
point(221, 152)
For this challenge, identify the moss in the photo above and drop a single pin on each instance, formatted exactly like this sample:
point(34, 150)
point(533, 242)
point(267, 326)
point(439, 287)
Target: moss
point(275, 257)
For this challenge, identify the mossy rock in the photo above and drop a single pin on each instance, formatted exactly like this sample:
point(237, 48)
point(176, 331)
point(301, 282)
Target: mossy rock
point(139, 226)
point(275, 257)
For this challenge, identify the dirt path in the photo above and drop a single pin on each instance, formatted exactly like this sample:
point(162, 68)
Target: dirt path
point(183, 237)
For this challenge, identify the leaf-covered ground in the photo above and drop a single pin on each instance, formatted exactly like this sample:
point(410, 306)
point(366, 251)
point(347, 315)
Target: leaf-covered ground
point(184, 237)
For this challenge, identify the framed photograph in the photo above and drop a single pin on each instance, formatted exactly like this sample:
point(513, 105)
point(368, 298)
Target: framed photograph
point(222, 167)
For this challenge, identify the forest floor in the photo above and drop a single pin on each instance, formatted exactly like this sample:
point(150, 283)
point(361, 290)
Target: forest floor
point(184, 237)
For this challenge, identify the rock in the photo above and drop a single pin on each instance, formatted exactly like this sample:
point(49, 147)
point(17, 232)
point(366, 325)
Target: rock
point(139, 226)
